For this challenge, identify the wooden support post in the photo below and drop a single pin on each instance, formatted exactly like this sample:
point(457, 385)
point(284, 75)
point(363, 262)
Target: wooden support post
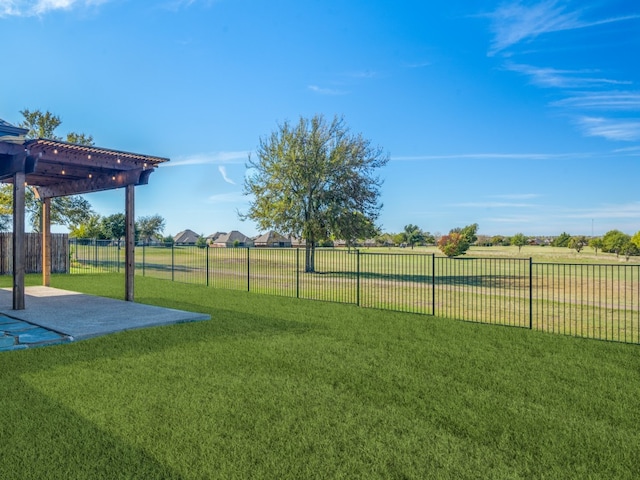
point(18, 240)
point(46, 242)
point(130, 242)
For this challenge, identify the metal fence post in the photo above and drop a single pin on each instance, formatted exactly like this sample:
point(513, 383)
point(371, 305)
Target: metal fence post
point(173, 262)
point(297, 272)
point(207, 267)
point(248, 272)
point(433, 284)
point(357, 277)
point(530, 293)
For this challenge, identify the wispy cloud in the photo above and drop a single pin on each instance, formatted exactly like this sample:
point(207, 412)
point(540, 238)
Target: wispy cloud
point(178, 4)
point(625, 210)
point(362, 74)
point(633, 150)
point(495, 156)
point(611, 129)
point(515, 22)
point(555, 78)
point(417, 64)
point(41, 7)
point(516, 196)
point(223, 171)
point(210, 159)
point(613, 100)
point(492, 205)
point(326, 91)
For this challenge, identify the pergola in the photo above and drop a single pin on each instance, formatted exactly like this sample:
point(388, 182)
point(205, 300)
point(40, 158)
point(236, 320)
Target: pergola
point(55, 169)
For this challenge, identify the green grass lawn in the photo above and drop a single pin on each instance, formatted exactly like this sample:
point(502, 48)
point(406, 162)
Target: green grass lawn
point(276, 387)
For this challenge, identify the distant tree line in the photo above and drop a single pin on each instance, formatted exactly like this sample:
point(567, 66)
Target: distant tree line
point(148, 228)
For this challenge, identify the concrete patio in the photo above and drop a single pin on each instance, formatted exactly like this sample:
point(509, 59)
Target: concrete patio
point(52, 315)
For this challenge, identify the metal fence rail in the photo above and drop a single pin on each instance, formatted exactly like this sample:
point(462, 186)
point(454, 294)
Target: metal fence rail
point(593, 301)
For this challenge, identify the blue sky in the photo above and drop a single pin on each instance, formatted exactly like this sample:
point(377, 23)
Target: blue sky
point(518, 116)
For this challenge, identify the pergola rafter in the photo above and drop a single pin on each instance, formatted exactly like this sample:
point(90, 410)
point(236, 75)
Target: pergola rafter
point(55, 169)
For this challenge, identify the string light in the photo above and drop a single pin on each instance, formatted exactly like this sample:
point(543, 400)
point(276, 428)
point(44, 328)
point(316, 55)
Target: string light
point(55, 151)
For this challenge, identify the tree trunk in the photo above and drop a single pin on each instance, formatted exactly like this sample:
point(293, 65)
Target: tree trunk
point(310, 257)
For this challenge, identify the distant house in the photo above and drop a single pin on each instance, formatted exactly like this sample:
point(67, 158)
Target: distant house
point(272, 239)
point(186, 237)
point(213, 237)
point(232, 239)
point(297, 242)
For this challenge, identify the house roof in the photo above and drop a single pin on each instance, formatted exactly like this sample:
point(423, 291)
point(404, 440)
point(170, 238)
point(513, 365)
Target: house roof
point(271, 237)
point(214, 236)
point(232, 237)
point(186, 236)
point(11, 133)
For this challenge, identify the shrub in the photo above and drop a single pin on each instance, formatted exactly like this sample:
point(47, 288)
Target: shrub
point(453, 244)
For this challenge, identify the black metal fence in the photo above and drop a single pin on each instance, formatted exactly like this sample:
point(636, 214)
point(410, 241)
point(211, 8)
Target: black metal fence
point(593, 301)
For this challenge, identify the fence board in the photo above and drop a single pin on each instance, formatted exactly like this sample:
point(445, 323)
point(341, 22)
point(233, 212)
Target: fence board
point(33, 253)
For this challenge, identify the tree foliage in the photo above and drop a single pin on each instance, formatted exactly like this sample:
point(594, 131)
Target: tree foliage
point(201, 242)
point(629, 249)
point(40, 125)
point(44, 124)
point(469, 233)
point(636, 239)
point(561, 240)
point(114, 226)
point(315, 180)
point(91, 228)
point(519, 240)
point(613, 241)
point(458, 241)
point(412, 235)
point(596, 244)
point(150, 227)
point(453, 244)
point(578, 243)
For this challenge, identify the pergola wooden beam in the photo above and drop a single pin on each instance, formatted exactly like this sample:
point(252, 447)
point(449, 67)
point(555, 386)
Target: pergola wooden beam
point(96, 183)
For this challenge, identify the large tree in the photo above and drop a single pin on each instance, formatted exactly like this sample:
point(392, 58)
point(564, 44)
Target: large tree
point(519, 240)
point(315, 179)
point(596, 244)
point(150, 227)
point(412, 235)
point(92, 228)
point(114, 226)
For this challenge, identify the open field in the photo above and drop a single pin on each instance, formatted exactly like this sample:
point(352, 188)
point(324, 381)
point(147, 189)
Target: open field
point(572, 298)
point(277, 387)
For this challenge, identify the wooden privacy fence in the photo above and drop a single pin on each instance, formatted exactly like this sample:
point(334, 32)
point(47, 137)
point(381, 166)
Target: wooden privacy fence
point(33, 253)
